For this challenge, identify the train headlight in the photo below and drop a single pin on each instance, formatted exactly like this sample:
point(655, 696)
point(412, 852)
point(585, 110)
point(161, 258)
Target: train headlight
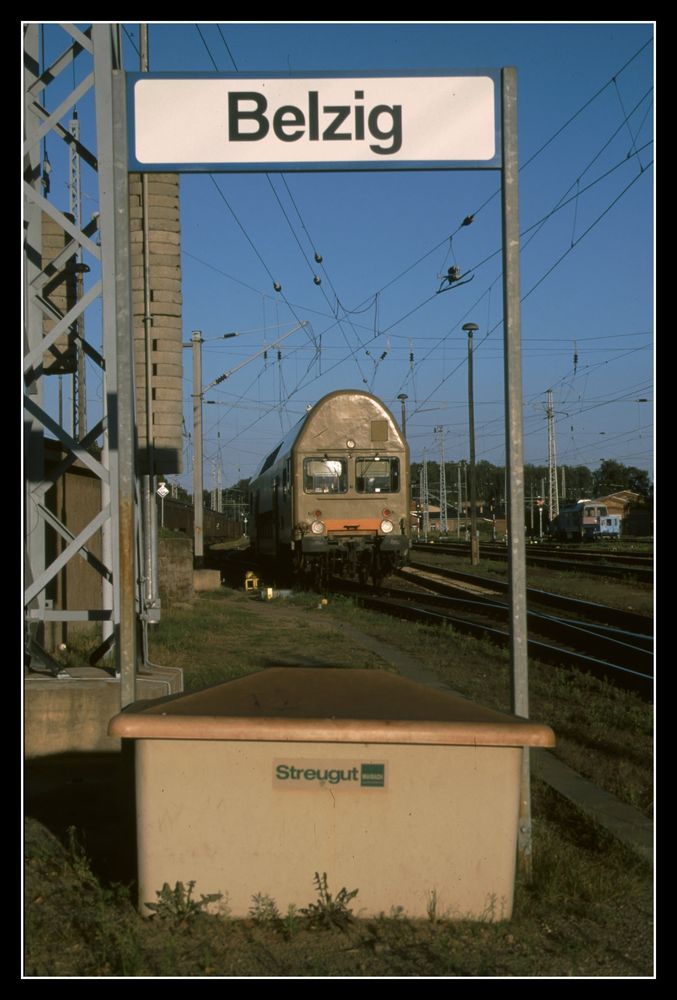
point(386, 526)
point(317, 528)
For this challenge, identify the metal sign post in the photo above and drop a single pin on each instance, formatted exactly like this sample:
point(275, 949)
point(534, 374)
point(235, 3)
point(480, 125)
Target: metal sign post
point(162, 492)
point(514, 444)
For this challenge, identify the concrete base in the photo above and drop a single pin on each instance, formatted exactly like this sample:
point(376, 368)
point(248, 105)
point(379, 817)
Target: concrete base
point(70, 713)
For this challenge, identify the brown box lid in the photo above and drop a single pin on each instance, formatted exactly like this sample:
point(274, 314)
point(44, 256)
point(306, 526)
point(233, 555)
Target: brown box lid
point(326, 705)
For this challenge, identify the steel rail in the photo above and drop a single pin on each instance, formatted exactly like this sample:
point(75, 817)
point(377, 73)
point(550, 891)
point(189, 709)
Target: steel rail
point(631, 621)
point(621, 676)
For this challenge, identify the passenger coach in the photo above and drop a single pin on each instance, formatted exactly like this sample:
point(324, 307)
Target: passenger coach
point(333, 497)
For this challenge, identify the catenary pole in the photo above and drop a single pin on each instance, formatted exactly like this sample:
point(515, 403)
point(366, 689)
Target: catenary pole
point(198, 519)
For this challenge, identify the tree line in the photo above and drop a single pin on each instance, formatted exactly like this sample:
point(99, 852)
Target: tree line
point(579, 482)
point(574, 482)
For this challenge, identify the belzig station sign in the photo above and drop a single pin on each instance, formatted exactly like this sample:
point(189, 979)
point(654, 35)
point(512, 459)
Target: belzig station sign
point(418, 120)
point(334, 122)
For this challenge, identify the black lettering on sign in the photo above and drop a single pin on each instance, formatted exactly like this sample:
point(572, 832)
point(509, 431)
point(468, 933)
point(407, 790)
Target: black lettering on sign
point(331, 131)
point(248, 121)
point(395, 132)
point(287, 117)
point(236, 115)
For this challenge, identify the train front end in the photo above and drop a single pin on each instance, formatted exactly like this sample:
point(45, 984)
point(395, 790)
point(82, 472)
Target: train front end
point(351, 490)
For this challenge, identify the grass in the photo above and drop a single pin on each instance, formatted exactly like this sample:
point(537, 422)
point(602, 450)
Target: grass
point(237, 633)
point(587, 912)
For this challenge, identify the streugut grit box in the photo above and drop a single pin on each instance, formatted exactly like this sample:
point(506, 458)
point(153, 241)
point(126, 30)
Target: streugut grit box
point(405, 793)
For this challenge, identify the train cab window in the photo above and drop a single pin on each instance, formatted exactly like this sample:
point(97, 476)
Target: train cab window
point(325, 475)
point(377, 475)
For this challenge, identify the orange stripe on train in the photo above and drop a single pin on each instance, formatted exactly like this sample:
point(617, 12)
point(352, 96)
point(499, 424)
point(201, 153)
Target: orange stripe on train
point(363, 524)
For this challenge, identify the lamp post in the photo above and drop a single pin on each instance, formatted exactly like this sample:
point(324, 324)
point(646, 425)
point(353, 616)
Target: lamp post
point(474, 541)
point(403, 398)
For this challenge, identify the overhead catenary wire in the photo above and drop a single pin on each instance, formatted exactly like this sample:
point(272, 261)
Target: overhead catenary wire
point(528, 161)
point(381, 332)
point(204, 42)
point(476, 267)
point(227, 48)
point(425, 301)
point(550, 269)
point(311, 269)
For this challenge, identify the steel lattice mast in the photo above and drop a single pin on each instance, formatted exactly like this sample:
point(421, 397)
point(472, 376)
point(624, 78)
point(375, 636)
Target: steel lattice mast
point(107, 448)
point(74, 200)
point(425, 508)
point(443, 483)
point(553, 497)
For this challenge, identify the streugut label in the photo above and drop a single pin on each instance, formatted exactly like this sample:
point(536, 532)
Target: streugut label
point(341, 775)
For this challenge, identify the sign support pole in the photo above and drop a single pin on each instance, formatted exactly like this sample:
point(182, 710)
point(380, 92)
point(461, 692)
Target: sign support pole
point(514, 443)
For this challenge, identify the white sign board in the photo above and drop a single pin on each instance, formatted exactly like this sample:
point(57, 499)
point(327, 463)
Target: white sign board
point(162, 491)
point(333, 122)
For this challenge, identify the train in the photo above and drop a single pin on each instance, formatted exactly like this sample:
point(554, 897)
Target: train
point(585, 521)
point(333, 498)
point(216, 527)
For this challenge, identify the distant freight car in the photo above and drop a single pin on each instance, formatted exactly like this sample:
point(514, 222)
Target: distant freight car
point(333, 497)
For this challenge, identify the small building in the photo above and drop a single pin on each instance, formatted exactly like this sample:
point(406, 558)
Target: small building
point(619, 503)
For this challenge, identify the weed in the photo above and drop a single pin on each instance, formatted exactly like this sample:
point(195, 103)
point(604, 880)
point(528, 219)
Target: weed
point(494, 909)
point(329, 913)
point(78, 860)
point(264, 910)
point(264, 913)
point(177, 905)
point(431, 907)
point(291, 923)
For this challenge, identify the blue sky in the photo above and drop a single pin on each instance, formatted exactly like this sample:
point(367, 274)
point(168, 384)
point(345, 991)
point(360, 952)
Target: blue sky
point(585, 104)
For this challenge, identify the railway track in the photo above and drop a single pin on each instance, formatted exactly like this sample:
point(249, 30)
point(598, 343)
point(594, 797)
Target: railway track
point(563, 631)
point(635, 568)
point(587, 611)
point(584, 551)
point(591, 644)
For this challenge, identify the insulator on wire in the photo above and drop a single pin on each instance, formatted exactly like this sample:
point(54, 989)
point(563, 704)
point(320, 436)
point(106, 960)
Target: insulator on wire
point(317, 279)
point(277, 286)
point(468, 220)
point(318, 257)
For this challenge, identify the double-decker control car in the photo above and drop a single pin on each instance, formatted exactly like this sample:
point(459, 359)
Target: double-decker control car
point(333, 497)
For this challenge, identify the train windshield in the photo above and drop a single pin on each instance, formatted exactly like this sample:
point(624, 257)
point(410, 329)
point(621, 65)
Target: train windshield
point(325, 475)
point(377, 475)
